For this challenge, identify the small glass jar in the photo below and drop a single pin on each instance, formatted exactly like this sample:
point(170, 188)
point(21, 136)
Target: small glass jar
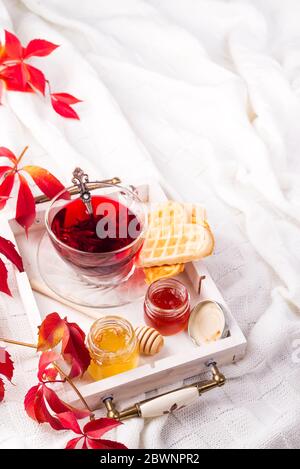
point(167, 306)
point(113, 347)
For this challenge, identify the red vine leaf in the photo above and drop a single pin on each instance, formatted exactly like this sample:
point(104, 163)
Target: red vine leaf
point(25, 213)
point(65, 98)
point(2, 390)
point(8, 154)
point(4, 169)
point(5, 189)
point(69, 422)
point(13, 47)
point(45, 368)
point(4, 288)
point(97, 428)
point(59, 406)
point(46, 182)
point(74, 350)
point(51, 332)
point(7, 248)
point(36, 79)
point(72, 444)
point(62, 108)
point(43, 405)
point(18, 75)
point(55, 330)
point(39, 48)
point(13, 77)
point(6, 364)
point(6, 370)
point(92, 433)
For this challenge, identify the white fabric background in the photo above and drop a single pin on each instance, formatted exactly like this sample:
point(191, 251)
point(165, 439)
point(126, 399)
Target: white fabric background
point(206, 94)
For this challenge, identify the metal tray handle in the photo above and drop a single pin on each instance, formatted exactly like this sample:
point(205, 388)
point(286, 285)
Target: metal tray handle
point(169, 402)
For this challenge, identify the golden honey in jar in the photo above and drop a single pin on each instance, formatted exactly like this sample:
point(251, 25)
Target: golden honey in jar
point(113, 347)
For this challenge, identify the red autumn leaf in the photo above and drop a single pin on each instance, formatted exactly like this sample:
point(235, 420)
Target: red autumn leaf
point(43, 405)
point(8, 154)
point(15, 77)
point(25, 213)
point(51, 332)
point(6, 364)
point(74, 350)
point(47, 359)
point(39, 410)
point(4, 288)
point(63, 109)
point(7, 248)
point(13, 47)
point(6, 188)
point(36, 78)
point(46, 182)
point(60, 407)
point(4, 169)
point(69, 422)
point(54, 330)
point(39, 48)
point(30, 401)
point(2, 390)
point(97, 428)
point(6, 369)
point(84, 445)
point(51, 374)
point(65, 98)
point(73, 443)
point(91, 433)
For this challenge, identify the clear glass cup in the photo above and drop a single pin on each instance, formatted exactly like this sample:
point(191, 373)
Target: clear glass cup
point(102, 247)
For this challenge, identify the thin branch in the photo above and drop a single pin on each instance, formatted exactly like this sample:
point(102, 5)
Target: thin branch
point(17, 342)
point(22, 154)
point(61, 372)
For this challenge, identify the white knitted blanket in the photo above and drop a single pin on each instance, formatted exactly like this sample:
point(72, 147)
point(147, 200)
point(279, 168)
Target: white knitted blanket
point(207, 95)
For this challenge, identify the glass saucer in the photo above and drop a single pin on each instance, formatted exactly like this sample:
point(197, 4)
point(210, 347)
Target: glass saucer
point(68, 284)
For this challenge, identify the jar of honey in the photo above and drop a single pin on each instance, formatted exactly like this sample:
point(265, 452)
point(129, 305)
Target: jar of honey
point(167, 306)
point(113, 347)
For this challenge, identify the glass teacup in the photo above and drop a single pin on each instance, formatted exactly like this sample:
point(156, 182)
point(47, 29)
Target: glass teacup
point(101, 246)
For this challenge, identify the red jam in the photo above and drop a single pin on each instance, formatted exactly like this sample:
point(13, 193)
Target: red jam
point(167, 306)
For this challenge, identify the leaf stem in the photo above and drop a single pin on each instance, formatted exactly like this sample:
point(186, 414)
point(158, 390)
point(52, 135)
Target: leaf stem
point(61, 372)
point(22, 154)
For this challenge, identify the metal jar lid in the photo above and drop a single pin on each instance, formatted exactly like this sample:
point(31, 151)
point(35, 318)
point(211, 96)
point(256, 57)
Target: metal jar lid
point(208, 322)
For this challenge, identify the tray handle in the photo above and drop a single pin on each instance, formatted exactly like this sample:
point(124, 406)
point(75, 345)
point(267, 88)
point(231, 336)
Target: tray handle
point(168, 402)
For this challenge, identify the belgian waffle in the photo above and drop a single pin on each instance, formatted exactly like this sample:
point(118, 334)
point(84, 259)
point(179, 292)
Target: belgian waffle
point(177, 233)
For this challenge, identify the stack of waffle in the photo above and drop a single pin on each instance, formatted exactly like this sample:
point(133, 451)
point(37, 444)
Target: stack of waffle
point(178, 233)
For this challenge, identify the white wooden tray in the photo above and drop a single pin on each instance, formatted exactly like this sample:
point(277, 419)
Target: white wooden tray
point(179, 359)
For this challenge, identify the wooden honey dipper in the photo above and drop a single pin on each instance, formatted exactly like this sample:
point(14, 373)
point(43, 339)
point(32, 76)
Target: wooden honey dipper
point(149, 339)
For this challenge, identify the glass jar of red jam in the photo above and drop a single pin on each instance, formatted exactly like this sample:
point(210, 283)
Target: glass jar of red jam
point(167, 306)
